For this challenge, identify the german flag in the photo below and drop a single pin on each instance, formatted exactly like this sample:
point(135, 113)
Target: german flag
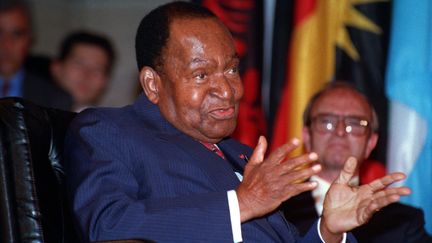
point(321, 32)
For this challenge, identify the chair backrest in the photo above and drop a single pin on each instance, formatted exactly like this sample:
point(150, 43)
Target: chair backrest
point(32, 198)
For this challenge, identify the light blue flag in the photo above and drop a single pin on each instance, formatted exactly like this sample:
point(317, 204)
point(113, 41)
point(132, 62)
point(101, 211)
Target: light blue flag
point(409, 88)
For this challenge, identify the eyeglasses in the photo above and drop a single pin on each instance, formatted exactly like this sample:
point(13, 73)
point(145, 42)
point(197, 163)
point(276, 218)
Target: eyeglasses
point(327, 123)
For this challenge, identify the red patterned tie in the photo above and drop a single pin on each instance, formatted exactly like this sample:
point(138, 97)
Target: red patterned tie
point(212, 147)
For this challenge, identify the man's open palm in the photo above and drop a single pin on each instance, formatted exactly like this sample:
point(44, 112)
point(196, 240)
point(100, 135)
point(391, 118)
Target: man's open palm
point(347, 207)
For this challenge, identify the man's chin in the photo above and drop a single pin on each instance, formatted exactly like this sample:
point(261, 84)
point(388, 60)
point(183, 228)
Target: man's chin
point(336, 163)
point(218, 134)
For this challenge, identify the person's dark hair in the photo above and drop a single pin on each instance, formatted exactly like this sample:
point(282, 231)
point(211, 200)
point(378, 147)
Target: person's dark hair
point(332, 86)
point(85, 37)
point(153, 31)
point(6, 5)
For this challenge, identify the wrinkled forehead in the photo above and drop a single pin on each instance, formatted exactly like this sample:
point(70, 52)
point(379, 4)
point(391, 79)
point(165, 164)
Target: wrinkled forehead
point(205, 40)
point(199, 33)
point(342, 101)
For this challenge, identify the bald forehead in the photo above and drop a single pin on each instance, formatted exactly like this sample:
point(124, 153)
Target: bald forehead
point(342, 100)
point(346, 92)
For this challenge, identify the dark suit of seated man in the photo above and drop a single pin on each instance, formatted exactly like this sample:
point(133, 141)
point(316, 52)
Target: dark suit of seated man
point(340, 122)
point(165, 167)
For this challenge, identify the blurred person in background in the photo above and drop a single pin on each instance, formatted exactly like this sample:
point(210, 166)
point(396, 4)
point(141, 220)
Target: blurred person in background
point(83, 67)
point(340, 122)
point(15, 41)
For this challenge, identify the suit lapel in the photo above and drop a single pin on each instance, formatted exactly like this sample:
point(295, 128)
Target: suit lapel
point(236, 155)
point(217, 169)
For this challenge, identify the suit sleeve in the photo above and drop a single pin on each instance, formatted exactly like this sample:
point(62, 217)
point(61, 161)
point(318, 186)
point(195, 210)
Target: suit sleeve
point(415, 232)
point(103, 190)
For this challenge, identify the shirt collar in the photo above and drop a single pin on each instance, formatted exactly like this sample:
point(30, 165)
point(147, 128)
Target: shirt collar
point(16, 83)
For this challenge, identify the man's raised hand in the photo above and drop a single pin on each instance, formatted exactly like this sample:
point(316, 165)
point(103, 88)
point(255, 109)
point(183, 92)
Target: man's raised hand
point(267, 182)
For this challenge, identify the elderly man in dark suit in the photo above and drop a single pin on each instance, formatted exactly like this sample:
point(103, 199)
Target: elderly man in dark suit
point(166, 169)
point(340, 122)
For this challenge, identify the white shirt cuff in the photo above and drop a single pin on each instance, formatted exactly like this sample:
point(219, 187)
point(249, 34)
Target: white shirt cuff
point(319, 233)
point(234, 209)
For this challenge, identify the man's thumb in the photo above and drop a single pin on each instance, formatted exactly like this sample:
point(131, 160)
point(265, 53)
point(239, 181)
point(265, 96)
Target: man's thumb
point(259, 151)
point(348, 171)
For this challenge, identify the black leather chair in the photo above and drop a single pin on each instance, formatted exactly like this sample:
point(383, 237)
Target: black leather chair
point(33, 206)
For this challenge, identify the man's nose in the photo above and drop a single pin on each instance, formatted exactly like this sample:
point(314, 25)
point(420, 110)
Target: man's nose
point(222, 87)
point(340, 128)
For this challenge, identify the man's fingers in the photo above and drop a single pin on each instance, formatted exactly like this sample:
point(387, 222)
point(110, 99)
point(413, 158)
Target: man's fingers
point(299, 162)
point(347, 172)
point(385, 197)
point(300, 175)
point(385, 181)
point(281, 153)
point(295, 189)
point(259, 151)
point(390, 191)
point(381, 202)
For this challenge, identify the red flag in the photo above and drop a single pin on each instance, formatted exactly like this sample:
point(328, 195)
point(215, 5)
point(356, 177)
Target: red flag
point(244, 20)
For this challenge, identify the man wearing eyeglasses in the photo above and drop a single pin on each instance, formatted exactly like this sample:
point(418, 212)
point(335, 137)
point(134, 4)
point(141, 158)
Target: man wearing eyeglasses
point(340, 122)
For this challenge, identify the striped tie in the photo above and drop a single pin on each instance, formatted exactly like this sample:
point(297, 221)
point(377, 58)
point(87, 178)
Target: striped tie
point(212, 147)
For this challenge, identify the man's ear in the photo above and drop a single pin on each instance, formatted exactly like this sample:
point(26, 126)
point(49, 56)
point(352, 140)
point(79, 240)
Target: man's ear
point(306, 139)
point(371, 143)
point(150, 80)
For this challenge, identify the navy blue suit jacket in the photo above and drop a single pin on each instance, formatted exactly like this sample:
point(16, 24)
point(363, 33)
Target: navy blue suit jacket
point(131, 174)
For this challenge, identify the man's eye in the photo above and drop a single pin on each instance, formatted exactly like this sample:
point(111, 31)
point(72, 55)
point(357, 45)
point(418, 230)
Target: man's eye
point(233, 70)
point(325, 120)
point(352, 122)
point(201, 76)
